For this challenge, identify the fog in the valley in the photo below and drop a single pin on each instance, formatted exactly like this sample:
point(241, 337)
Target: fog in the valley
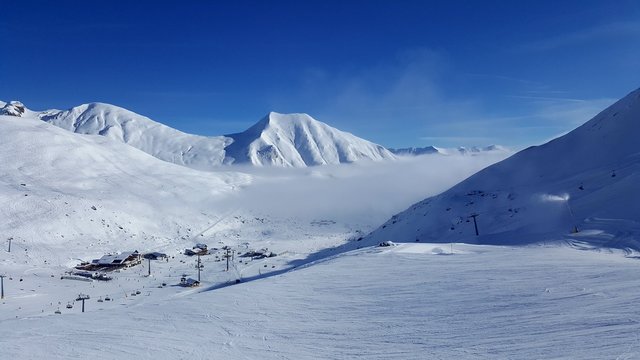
point(367, 192)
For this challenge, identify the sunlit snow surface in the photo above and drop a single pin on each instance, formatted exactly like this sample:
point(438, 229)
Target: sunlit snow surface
point(330, 292)
point(413, 301)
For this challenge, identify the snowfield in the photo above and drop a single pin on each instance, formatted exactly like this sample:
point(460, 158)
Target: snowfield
point(295, 270)
point(413, 301)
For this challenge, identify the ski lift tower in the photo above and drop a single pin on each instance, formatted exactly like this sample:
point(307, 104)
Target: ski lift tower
point(82, 297)
point(573, 218)
point(475, 223)
point(199, 266)
point(2, 286)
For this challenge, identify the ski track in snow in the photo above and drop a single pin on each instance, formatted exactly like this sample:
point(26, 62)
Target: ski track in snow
point(402, 302)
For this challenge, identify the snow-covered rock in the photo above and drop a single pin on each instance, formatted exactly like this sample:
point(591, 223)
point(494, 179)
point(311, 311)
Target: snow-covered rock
point(587, 179)
point(299, 140)
point(13, 108)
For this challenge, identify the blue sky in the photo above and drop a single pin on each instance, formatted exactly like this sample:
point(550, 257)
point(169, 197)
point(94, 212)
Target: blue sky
point(399, 73)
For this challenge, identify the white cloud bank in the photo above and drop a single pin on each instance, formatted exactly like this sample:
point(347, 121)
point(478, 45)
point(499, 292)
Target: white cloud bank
point(363, 192)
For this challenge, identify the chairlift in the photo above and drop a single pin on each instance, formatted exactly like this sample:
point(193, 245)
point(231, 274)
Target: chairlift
point(58, 312)
point(107, 298)
point(69, 306)
point(100, 299)
point(137, 292)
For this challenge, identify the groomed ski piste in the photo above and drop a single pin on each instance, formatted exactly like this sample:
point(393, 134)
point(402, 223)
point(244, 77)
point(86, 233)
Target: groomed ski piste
point(413, 301)
point(550, 274)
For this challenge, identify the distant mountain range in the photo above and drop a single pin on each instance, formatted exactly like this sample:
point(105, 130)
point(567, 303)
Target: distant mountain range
point(287, 140)
point(413, 151)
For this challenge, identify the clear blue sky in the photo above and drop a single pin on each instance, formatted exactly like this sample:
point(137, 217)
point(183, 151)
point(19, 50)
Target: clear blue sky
point(400, 73)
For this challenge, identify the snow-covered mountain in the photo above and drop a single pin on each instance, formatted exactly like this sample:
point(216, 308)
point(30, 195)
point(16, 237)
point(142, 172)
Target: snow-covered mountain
point(415, 151)
point(69, 197)
point(289, 140)
point(299, 140)
point(66, 195)
point(158, 140)
point(587, 179)
point(12, 108)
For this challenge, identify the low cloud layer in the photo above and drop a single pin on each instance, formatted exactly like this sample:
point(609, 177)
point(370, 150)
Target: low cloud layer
point(365, 192)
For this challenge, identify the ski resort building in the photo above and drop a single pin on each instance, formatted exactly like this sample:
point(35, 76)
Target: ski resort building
point(155, 256)
point(199, 249)
point(189, 282)
point(124, 259)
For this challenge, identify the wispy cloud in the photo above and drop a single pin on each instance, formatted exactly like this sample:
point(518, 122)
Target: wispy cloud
point(602, 32)
point(571, 112)
point(421, 100)
point(547, 98)
point(385, 99)
point(539, 120)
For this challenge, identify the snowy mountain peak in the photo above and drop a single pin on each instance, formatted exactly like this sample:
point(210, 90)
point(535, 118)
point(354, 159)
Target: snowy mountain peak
point(299, 140)
point(156, 139)
point(13, 108)
point(275, 121)
point(275, 118)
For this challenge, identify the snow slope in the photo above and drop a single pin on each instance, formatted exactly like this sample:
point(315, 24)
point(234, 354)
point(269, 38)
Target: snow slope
point(404, 302)
point(158, 140)
point(69, 196)
point(298, 140)
point(587, 178)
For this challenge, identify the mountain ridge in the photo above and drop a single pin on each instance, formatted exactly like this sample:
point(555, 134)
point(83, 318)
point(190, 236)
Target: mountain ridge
point(287, 140)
